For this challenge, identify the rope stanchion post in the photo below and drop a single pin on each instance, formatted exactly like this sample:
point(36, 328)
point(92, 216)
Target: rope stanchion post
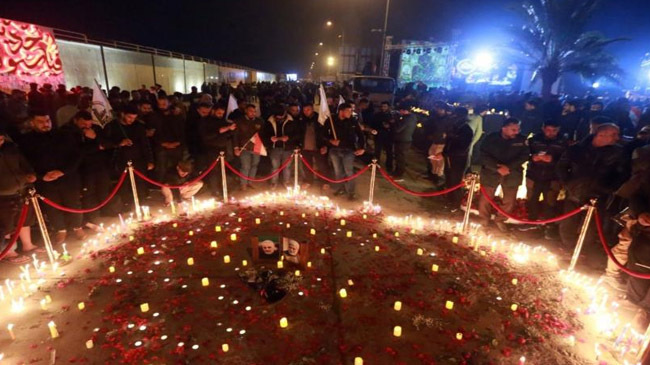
point(470, 197)
point(583, 234)
point(134, 189)
point(224, 181)
point(373, 178)
point(296, 159)
point(42, 226)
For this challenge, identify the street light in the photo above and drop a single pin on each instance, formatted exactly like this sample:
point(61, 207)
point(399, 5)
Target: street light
point(320, 44)
point(330, 61)
point(316, 54)
point(329, 23)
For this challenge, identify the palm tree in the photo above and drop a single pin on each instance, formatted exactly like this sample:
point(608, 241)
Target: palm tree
point(553, 41)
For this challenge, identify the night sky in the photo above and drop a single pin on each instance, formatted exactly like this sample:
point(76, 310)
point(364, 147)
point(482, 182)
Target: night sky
point(282, 35)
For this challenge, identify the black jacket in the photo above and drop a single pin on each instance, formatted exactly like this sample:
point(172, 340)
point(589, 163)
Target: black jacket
point(319, 130)
point(14, 169)
point(542, 171)
point(246, 129)
point(348, 132)
point(459, 141)
point(140, 152)
point(169, 128)
point(287, 127)
point(50, 151)
point(591, 172)
point(495, 150)
point(404, 128)
point(211, 140)
point(93, 156)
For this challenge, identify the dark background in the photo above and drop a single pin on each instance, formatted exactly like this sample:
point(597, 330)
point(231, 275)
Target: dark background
point(282, 35)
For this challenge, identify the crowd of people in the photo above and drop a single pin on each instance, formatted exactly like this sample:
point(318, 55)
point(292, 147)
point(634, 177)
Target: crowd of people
point(565, 151)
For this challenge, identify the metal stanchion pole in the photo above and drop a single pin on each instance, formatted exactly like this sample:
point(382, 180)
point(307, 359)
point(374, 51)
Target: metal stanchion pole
point(470, 198)
point(224, 183)
point(583, 234)
point(42, 226)
point(296, 159)
point(373, 177)
point(134, 189)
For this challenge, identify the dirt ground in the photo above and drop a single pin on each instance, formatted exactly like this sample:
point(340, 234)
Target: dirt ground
point(189, 323)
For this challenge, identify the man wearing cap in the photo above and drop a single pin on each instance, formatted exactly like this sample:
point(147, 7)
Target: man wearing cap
point(502, 154)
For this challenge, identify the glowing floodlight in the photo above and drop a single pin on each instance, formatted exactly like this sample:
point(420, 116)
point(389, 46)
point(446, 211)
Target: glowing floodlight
point(483, 61)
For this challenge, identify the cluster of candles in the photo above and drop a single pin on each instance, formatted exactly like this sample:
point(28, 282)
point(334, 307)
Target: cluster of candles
point(601, 309)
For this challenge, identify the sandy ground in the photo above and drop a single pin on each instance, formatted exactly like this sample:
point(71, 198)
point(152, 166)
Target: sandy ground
point(323, 328)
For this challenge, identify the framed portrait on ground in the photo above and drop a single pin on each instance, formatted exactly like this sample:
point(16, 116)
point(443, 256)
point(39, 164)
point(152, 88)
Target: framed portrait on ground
point(295, 252)
point(272, 248)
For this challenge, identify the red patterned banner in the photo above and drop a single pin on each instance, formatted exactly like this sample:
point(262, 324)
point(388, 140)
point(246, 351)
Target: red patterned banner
point(28, 53)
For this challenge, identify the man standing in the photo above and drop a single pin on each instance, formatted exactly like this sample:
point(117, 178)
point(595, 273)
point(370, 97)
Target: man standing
point(502, 154)
point(169, 138)
point(281, 135)
point(314, 147)
point(55, 160)
point(346, 141)
point(456, 155)
point(531, 118)
point(383, 122)
point(215, 132)
point(127, 137)
point(593, 168)
point(247, 127)
point(546, 148)
point(403, 136)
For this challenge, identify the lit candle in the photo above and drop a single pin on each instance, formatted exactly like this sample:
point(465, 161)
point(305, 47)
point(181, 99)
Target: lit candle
point(434, 268)
point(358, 361)
point(513, 307)
point(48, 298)
point(449, 305)
point(190, 261)
point(454, 239)
point(288, 225)
point(239, 219)
point(397, 306)
point(397, 331)
point(53, 332)
point(173, 208)
point(349, 234)
point(280, 264)
point(312, 231)
point(233, 237)
point(225, 347)
point(459, 336)
point(213, 244)
point(343, 293)
point(374, 235)
point(376, 248)
point(258, 221)
point(81, 306)
point(226, 259)
point(10, 328)
point(175, 225)
point(131, 238)
point(283, 322)
point(309, 264)
point(244, 263)
point(522, 360)
point(191, 233)
point(350, 282)
point(281, 213)
point(43, 304)
point(297, 273)
point(342, 222)
point(111, 269)
point(396, 234)
point(140, 250)
point(89, 344)
point(420, 252)
point(322, 251)
point(514, 281)
point(144, 307)
point(217, 228)
point(205, 282)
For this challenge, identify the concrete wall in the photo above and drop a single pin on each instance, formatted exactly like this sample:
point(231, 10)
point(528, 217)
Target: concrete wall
point(194, 75)
point(170, 73)
point(82, 63)
point(127, 69)
point(212, 73)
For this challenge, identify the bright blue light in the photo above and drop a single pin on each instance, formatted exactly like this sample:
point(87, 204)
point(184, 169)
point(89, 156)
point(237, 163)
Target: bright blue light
point(483, 61)
point(595, 85)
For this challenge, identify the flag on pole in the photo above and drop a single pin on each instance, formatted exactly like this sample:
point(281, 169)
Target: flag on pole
point(258, 145)
point(323, 110)
point(341, 100)
point(101, 108)
point(232, 105)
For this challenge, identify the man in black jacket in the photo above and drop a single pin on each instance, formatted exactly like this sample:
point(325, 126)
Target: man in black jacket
point(383, 122)
point(169, 138)
point(15, 175)
point(181, 174)
point(313, 144)
point(215, 132)
point(55, 159)
point(546, 148)
point(281, 135)
point(346, 141)
point(93, 168)
point(247, 127)
point(456, 154)
point(593, 168)
point(502, 154)
point(127, 138)
point(402, 137)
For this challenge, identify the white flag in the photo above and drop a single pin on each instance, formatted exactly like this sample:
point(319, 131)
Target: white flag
point(232, 105)
point(341, 100)
point(324, 109)
point(101, 108)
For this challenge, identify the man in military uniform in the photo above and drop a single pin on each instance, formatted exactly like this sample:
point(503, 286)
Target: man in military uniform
point(502, 156)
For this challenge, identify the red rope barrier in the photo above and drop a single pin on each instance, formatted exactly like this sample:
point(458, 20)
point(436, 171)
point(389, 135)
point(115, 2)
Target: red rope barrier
point(526, 221)
point(14, 236)
point(261, 179)
point(415, 193)
point(333, 181)
point(608, 251)
point(163, 185)
point(88, 210)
